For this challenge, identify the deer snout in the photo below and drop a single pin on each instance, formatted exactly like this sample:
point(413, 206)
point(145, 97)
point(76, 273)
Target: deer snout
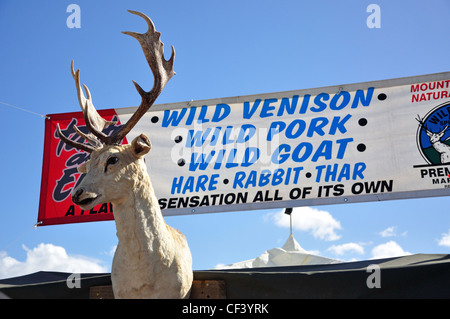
point(82, 197)
point(77, 194)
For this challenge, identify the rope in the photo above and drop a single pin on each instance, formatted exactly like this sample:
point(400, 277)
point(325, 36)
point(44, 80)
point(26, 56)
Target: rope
point(20, 237)
point(24, 110)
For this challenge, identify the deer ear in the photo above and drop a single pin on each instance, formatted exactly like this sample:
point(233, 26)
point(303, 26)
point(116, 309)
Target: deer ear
point(82, 168)
point(141, 145)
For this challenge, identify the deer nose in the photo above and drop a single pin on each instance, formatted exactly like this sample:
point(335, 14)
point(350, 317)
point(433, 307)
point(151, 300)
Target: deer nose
point(76, 196)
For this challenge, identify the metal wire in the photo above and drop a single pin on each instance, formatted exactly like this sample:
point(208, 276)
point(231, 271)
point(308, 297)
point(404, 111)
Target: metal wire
point(24, 110)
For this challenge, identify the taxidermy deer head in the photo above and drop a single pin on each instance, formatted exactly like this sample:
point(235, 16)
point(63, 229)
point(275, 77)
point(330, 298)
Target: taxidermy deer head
point(108, 158)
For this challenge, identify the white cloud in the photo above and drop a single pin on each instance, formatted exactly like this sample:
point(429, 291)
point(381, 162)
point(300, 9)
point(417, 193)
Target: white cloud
point(445, 239)
point(111, 252)
point(389, 249)
point(318, 222)
point(346, 248)
point(47, 257)
point(389, 232)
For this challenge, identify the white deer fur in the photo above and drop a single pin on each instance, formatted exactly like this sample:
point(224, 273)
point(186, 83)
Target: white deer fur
point(152, 260)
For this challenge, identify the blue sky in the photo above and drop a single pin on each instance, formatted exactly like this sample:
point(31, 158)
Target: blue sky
point(224, 49)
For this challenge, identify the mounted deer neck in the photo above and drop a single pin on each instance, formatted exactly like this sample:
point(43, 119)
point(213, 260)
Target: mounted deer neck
point(152, 260)
point(435, 140)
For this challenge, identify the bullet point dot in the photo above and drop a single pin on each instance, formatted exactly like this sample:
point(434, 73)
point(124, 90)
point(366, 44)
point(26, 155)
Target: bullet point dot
point(178, 139)
point(308, 175)
point(155, 119)
point(362, 122)
point(382, 96)
point(226, 181)
point(361, 147)
point(181, 162)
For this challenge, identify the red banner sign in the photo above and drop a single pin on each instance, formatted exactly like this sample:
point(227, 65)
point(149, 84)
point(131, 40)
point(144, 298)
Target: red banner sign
point(60, 174)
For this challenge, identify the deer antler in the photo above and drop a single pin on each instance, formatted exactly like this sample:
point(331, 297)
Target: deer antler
point(77, 145)
point(418, 119)
point(162, 70)
point(94, 122)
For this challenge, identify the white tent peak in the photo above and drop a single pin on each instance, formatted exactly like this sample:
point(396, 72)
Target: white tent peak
point(291, 254)
point(292, 245)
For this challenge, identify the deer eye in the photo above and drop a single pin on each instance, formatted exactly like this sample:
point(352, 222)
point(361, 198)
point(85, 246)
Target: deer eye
point(111, 161)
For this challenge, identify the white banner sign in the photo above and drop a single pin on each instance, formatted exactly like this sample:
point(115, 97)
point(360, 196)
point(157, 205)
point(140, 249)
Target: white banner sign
point(350, 143)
